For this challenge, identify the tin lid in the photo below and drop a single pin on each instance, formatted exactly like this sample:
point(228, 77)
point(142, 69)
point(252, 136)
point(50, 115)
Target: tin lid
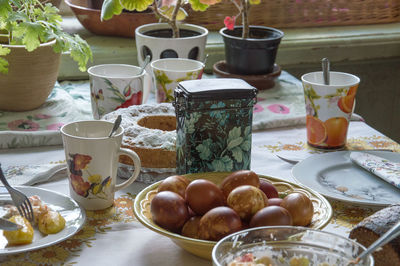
point(221, 88)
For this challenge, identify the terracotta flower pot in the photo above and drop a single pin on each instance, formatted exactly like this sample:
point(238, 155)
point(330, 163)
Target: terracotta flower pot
point(31, 77)
point(252, 56)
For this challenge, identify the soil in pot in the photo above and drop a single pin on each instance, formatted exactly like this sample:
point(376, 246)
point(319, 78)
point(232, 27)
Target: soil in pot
point(254, 55)
point(167, 33)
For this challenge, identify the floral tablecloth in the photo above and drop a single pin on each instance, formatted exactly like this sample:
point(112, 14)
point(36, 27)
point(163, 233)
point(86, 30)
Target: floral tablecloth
point(280, 106)
point(113, 236)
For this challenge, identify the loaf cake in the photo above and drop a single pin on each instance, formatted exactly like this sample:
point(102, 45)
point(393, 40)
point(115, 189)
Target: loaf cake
point(150, 131)
point(373, 227)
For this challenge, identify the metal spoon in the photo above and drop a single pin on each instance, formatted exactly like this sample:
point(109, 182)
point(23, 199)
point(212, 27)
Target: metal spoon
point(117, 122)
point(325, 70)
point(205, 59)
point(145, 63)
point(384, 239)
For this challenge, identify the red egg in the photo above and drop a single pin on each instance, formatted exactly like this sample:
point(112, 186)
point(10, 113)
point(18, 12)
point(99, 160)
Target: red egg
point(269, 189)
point(275, 202)
point(239, 178)
point(175, 183)
point(203, 195)
point(191, 227)
point(271, 215)
point(219, 222)
point(300, 208)
point(169, 210)
point(246, 201)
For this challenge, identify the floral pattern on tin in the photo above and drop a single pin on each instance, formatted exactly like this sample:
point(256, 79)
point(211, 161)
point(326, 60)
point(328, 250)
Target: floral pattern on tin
point(216, 136)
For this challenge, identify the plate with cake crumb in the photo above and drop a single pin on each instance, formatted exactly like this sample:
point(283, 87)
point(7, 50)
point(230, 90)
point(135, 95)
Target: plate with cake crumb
point(43, 202)
point(336, 177)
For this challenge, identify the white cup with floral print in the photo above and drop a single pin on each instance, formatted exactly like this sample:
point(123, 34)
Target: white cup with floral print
point(168, 72)
point(92, 162)
point(114, 86)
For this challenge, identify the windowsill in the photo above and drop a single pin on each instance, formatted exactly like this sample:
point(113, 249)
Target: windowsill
point(299, 46)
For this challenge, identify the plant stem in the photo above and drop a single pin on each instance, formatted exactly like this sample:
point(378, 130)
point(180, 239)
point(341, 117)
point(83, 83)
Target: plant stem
point(245, 19)
point(175, 29)
point(171, 21)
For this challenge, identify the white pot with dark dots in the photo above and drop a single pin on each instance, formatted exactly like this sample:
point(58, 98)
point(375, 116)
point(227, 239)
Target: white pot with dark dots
point(155, 40)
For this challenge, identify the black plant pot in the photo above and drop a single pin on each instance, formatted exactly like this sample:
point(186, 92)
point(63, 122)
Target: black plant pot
point(254, 55)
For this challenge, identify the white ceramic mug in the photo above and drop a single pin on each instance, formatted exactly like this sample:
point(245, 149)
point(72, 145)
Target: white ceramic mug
point(92, 160)
point(168, 72)
point(114, 86)
point(329, 108)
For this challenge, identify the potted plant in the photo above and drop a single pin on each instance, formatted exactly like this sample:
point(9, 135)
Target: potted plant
point(249, 50)
point(31, 42)
point(169, 38)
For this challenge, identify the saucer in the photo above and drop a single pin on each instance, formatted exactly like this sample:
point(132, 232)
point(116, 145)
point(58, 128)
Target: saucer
point(261, 82)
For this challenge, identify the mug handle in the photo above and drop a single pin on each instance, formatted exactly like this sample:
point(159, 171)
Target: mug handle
point(136, 162)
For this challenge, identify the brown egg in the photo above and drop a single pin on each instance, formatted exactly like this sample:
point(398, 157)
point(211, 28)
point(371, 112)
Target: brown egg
point(275, 202)
point(246, 201)
point(269, 189)
point(169, 210)
point(300, 207)
point(219, 222)
point(239, 178)
point(191, 227)
point(203, 195)
point(271, 215)
point(175, 183)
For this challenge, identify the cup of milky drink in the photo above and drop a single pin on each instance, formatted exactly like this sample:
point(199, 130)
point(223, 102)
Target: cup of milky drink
point(329, 108)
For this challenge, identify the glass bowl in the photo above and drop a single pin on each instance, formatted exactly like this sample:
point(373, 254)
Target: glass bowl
point(284, 245)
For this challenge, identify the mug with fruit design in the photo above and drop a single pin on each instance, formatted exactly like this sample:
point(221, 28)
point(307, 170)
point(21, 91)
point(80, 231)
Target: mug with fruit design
point(114, 86)
point(328, 108)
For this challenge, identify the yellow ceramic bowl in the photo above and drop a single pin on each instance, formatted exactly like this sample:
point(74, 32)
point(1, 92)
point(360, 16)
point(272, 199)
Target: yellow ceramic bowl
point(203, 248)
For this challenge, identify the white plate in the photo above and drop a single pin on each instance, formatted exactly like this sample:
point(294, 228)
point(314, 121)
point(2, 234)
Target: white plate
point(73, 214)
point(336, 177)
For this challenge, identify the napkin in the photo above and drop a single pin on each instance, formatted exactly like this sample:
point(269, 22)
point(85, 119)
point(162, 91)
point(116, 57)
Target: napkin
point(32, 174)
point(383, 168)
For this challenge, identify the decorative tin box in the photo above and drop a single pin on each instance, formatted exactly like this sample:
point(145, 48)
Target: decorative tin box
point(214, 125)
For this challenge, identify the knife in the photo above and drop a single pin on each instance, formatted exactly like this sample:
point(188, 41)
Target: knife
point(8, 226)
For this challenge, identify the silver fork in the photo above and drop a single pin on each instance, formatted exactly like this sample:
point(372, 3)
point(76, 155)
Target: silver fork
point(20, 200)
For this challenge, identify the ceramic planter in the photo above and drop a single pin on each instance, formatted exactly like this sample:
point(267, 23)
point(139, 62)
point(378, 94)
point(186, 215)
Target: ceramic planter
point(155, 40)
point(253, 56)
point(31, 77)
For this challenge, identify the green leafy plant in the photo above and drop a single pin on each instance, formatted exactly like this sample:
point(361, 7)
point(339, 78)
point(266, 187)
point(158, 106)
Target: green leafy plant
point(243, 7)
point(167, 11)
point(30, 23)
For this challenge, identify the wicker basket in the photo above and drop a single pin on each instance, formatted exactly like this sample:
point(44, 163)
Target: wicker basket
point(303, 13)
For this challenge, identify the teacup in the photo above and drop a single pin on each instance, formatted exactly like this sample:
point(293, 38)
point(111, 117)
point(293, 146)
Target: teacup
point(92, 160)
point(168, 72)
point(114, 86)
point(329, 108)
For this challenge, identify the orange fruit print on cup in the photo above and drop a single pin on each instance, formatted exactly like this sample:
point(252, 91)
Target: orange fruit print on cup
point(328, 108)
